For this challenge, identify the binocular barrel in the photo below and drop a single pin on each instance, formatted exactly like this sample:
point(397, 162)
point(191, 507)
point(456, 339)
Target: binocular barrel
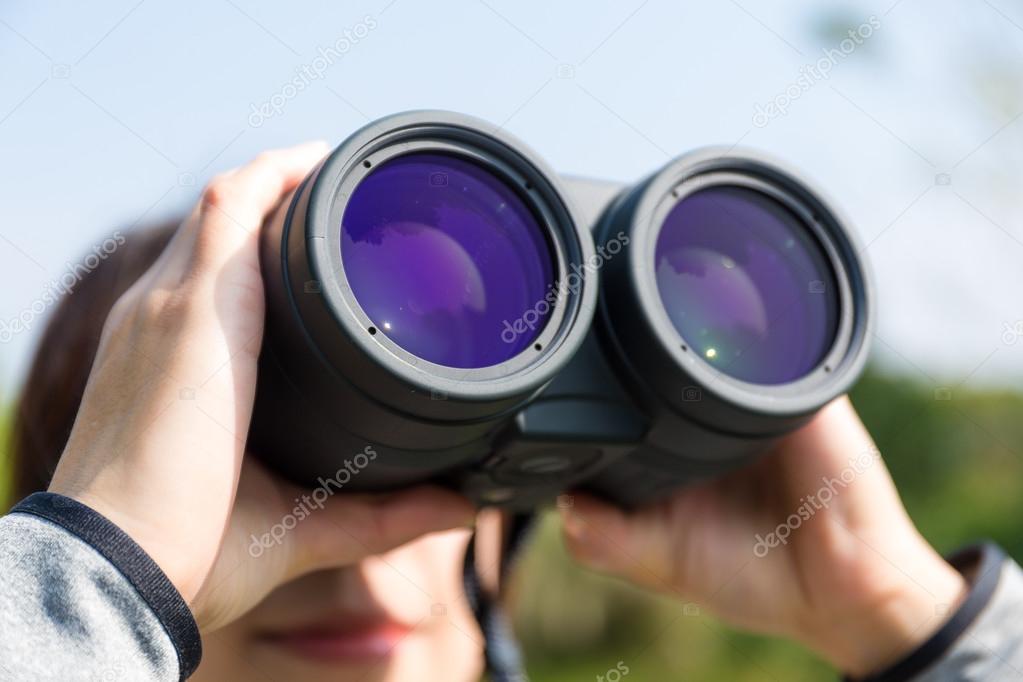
point(440, 299)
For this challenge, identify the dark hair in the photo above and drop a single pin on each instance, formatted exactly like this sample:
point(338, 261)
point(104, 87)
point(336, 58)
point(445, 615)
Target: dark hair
point(56, 380)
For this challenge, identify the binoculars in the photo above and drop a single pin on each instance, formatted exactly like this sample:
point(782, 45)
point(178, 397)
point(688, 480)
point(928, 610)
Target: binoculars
point(442, 307)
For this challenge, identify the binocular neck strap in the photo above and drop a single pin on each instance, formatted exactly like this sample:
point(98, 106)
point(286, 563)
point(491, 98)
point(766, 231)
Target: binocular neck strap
point(500, 649)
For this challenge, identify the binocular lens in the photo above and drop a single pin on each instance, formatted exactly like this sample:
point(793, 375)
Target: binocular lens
point(746, 284)
point(440, 253)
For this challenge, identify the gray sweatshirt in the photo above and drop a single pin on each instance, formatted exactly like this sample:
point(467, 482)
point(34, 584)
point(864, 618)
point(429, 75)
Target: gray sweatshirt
point(79, 600)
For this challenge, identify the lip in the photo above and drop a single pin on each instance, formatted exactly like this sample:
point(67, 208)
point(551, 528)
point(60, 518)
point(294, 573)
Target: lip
point(340, 640)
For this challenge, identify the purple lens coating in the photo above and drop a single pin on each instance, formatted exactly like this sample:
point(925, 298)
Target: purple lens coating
point(446, 259)
point(746, 285)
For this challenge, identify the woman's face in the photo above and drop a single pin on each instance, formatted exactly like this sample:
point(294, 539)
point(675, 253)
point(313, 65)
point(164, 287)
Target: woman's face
point(397, 616)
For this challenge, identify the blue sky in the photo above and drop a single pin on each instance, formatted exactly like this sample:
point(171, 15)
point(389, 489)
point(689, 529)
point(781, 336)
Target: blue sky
point(117, 112)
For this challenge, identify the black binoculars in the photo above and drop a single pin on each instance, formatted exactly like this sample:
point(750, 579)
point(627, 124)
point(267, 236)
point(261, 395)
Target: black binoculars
point(439, 298)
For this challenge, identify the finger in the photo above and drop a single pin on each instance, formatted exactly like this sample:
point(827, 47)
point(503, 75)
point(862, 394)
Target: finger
point(835, 454)
point(249, 192)
point(234, 205)
point(632, 545)
point(349, 528)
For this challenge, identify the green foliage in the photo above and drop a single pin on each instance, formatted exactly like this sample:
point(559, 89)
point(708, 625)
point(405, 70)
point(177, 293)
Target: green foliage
point(958, 464)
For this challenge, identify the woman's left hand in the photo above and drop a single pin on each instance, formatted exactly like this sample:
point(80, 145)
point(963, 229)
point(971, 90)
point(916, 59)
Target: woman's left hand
point(810, 542)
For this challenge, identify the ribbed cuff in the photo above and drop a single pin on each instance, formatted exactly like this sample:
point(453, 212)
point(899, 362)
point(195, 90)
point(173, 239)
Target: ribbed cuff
point(132, 561)
point(981, 565)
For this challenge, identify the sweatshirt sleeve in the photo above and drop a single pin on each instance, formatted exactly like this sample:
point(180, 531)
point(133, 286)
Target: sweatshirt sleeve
point(80, 600)
point(983, 639)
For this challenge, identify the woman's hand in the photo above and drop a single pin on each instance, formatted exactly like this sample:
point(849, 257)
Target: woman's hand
point(811, 542)
point(158, 443)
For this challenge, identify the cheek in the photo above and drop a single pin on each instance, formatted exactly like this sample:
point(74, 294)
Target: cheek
point(220, 657)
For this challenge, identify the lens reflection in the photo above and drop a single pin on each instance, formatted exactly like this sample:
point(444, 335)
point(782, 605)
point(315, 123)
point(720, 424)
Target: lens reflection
point(746, 285)
point(443, 255)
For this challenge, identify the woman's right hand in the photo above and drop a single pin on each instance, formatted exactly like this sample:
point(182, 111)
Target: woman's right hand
point(158, 443)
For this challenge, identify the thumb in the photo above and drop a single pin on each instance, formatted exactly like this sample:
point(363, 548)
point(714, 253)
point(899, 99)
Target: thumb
point(349, 527)
point(632, 545)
